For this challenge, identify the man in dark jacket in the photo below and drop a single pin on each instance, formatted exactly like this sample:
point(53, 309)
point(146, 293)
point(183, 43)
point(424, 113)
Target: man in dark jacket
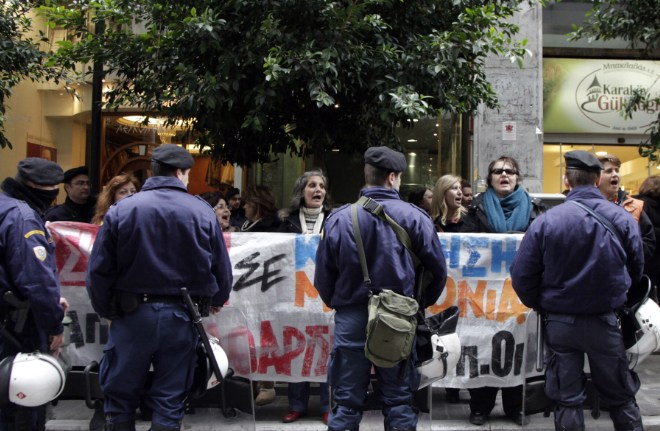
point(339, 280)
point(149, 246)
point(28, 270)
point(577, 270)
point(79, 204)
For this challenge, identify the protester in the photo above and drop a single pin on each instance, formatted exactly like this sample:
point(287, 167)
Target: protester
point(261, 216)
point(466, 189)
point(79, 204)
point(340, 283)
point(577, 273)
point(28, 269)
point(118, 188)
point(446, 208)
point(234, 200)
point(310, 206)
point(610, 187)
point(149, 247)
point(504, 207)
point(221, 209)
point(260, 211)
point(649, 193)
point(422, 197)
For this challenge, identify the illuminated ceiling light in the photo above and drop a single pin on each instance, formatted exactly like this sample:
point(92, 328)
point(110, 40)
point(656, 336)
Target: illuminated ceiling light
point(335, 150)
point(415, 120)
point(411, 166)
point(412, 154)
point(601, 153)
point(412, 140)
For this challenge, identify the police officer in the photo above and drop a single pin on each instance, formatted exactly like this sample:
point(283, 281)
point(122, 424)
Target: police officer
point(573, 269)
point(339, 280)
point(27, 269)
point(149, 246)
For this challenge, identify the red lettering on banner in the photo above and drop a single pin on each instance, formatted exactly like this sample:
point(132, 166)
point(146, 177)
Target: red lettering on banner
point(73, 244)
point(291, 350)
point(317, 338)
point(241, 351)
point(510, 305)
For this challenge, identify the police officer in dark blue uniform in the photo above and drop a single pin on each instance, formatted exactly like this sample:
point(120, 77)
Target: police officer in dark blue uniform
point(150, 246)
point(339, 280)
point(573, 269)
point(28, 270)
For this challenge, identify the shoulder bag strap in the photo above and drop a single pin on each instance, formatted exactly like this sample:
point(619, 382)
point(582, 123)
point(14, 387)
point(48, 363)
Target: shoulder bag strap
point(602, 220)
point(360, 245)
point(377, 209)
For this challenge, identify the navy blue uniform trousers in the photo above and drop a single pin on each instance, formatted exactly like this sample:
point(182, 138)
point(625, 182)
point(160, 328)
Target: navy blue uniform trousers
point(350, 373)
point(569, 337)
point(158, 334)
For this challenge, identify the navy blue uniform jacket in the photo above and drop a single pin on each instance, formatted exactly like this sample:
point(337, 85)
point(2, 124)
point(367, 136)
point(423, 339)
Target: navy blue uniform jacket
point(155, 242)
point(569, 263)
point(338, 276)
point(27, 263)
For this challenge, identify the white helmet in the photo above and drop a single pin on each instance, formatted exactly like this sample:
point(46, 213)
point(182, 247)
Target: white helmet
point(647, 334)
point(221, 359)
point(446, 351)
point(30, 379)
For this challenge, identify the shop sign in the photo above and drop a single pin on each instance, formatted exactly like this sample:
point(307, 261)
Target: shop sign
point(587, 96)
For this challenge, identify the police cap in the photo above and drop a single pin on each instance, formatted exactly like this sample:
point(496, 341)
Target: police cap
point(582, 160)
point(39, 171)
point(173, 155)
point(385, 158)
point(74, 172)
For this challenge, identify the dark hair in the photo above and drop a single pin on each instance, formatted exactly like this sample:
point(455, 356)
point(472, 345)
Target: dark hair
point(162, 169)
point(374, 176)
point(212, 197)
point(651, 187)
point(263, 199)
point(611, 158)
point(416, 196)
point(465, 183)
point(578, 177)
point(505, 159)
point(107, 196)
point(298, 197)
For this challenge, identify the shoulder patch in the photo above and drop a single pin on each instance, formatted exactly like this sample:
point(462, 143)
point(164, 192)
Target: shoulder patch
point(34, 232)
point(40, 252)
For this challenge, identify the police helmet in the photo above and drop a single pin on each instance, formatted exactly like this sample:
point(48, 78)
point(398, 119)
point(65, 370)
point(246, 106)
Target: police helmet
point(204, 377)
point(640, 324)
point(30, 379)
point(446, 351)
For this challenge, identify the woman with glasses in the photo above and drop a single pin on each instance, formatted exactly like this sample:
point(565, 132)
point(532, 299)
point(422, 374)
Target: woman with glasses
point(310, 205)
point(221, 209)
point(505, 207)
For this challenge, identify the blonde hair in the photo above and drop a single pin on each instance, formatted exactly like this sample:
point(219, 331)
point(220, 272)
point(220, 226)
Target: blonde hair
point(438, 204)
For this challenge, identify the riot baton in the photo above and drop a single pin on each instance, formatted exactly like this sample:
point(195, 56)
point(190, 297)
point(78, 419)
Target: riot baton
point(197, 323)
point(540, 341)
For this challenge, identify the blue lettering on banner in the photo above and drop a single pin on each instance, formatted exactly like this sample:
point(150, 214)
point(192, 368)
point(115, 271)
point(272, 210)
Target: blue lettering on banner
point(306, 246)
point(501, 257)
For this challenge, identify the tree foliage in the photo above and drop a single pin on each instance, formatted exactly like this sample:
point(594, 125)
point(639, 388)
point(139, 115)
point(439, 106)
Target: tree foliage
point(638, 23)
point(255, 77)
point(20, 56)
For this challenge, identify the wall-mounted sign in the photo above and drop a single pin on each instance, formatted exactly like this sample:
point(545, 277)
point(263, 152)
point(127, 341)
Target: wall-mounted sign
point(587, 96)
point(509, 130)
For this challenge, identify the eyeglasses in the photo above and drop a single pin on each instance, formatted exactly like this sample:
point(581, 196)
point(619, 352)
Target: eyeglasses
point(503, 171)
point(81, 183)
point(220, 207)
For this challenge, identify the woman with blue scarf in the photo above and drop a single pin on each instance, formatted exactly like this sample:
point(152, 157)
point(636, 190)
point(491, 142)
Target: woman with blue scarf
point(504, 207)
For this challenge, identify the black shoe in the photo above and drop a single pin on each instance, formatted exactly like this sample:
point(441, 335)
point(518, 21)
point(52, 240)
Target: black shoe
point(478, 418)
point(519, 419)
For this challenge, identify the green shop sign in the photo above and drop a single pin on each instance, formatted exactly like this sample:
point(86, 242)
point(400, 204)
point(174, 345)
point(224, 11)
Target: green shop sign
point(586, 96)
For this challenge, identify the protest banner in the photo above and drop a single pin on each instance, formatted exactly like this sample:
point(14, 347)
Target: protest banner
point(278, 329)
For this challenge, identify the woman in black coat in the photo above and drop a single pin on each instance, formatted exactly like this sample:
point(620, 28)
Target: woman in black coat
point(309, 208)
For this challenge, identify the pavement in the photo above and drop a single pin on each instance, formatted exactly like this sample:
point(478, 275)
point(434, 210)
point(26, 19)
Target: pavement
point(75, 416)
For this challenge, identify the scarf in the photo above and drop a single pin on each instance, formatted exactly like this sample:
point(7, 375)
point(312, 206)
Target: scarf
point(510, 213)
point(39, 200)
point(311, 219)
